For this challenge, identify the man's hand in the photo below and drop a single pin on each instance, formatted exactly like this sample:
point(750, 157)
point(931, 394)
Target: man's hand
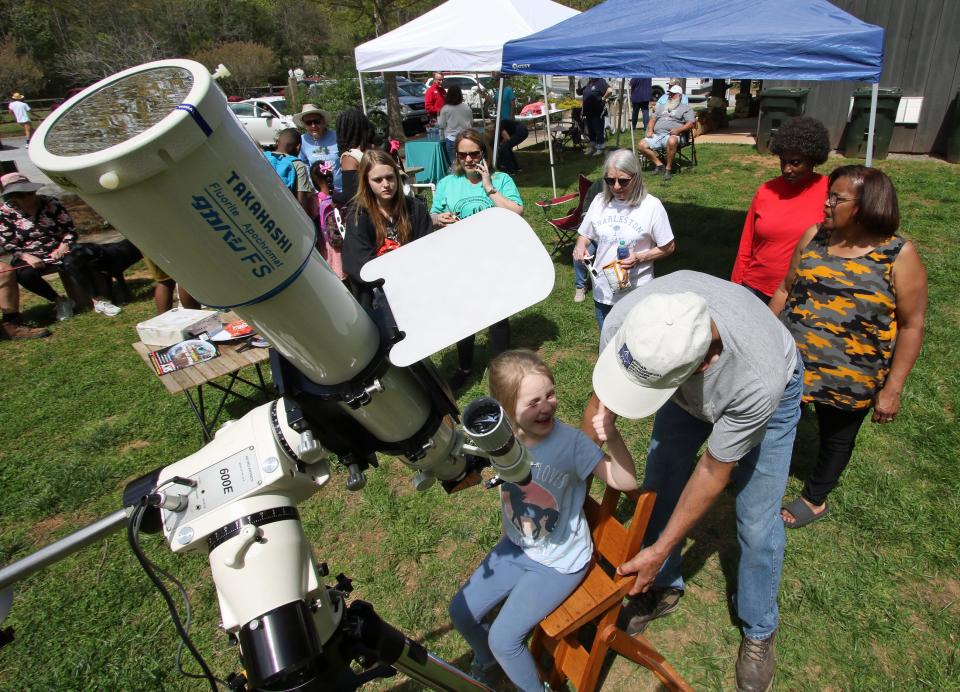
point(645, 564)
point(604, 423)
point(33, 260)
point(632, 259)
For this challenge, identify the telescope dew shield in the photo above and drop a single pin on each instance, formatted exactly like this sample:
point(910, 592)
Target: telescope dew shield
point(156, 151)
point(488, 427)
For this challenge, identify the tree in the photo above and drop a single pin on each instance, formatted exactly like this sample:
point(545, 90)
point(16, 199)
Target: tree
point(17, 72)
point(251, 64)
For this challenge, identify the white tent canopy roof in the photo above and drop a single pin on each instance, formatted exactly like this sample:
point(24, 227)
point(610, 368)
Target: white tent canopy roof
point(459, 36)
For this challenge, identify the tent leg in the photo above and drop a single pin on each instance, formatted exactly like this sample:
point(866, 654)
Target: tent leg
point(363, 97)
point(546, 117)
point(873, 121)
point(496, 126)
point(620, 113)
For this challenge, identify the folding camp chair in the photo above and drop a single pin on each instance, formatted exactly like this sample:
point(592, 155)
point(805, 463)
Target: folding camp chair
point(599, 599)
point(566, 226)
point(686, 156)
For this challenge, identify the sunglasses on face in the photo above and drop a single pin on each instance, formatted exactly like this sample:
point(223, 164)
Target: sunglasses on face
point(475, 154)
point(612, 181)
point(311, 123)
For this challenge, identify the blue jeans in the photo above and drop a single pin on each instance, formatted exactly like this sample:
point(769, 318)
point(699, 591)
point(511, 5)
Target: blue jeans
point(580, 274)
point(601, 310)
point(532, 591)
point(760, 479)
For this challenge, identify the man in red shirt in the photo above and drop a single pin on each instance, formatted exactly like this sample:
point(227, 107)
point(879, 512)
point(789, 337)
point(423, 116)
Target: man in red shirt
point(434, 98)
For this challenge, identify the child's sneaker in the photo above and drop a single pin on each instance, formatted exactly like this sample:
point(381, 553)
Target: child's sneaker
point(106, 308)
point(483, 672)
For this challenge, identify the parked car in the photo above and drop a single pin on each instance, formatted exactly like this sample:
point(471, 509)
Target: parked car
point(697, 88)
point(263, 117)
point(412, 110)
point(474, 88)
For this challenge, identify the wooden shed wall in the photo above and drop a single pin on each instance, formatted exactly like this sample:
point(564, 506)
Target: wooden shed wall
point(921, 56)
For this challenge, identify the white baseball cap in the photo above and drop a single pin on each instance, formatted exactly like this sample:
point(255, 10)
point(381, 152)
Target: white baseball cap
point(676, 89)
point(663, 340)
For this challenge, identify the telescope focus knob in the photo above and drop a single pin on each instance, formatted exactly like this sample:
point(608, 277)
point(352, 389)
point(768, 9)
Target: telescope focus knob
point(248, 535)
point(309, 450)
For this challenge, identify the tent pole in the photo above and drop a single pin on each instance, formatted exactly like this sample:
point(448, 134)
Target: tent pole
point(546, 117)
point(620, 113)
point(496, 126)
point(363, 98)
point(873, 121)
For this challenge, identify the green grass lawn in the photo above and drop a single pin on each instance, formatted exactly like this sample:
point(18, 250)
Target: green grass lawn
point(870, 596)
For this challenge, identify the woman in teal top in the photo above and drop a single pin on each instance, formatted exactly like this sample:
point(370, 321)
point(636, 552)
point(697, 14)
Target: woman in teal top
point(470, 188)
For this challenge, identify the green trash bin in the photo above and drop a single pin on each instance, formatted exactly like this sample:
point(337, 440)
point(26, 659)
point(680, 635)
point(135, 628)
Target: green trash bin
point(855, 142)
point(953, 132)
point(776, 106)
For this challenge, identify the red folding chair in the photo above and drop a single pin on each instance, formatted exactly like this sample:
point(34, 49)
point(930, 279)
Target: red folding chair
point(566, 226)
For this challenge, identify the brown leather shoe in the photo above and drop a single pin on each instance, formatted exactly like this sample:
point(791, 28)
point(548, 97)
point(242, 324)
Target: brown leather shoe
point(756, 664)
point(16, 331)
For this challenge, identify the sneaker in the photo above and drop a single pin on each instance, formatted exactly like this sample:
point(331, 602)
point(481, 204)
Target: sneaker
point(106, 308)
point(589, 150)
point(667, 175)
point(756, 663)
point(598, 152)
point(643, 608)
point(658, 170)
point(63, 309)
point(16, 331)
point(483, 673)
point(579, 294)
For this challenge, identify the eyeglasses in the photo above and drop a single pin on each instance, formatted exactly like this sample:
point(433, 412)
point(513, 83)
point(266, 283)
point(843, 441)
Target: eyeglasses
point(311, 123)
point(475, 154)
point(623, 181)
point(833, 199)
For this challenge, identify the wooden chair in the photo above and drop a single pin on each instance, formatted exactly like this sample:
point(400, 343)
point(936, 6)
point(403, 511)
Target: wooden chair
point(566, 226)
point(599, 599)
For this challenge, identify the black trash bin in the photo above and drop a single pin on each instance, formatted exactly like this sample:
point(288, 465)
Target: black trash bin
point(776, 106)
point(855, 142)
point(953, 132)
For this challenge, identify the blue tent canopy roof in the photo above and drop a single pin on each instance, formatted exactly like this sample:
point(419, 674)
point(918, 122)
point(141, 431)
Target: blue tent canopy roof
point(755, 39)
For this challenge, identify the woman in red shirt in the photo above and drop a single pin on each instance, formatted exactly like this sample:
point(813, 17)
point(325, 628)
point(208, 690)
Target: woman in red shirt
point(783, 208)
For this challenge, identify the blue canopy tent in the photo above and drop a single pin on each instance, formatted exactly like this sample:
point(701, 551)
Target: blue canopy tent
point(757, 39)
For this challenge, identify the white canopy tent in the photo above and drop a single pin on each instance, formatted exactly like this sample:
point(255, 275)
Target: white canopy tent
point(461, 36)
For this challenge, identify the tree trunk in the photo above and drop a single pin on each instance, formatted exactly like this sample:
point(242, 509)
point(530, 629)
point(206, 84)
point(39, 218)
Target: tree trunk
point(394, 116)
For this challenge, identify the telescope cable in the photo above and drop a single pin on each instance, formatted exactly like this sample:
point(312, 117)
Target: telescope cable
point(151, 569)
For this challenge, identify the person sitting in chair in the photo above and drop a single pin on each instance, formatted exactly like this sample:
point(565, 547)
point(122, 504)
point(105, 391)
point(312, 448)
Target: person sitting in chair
point(668, 130)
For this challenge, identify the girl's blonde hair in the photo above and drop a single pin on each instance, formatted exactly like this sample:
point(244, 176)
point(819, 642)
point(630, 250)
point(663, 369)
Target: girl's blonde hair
point(397, 207)
point(507, 372)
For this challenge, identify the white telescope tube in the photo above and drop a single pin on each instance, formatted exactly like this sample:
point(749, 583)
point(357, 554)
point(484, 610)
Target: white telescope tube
point(157, 152)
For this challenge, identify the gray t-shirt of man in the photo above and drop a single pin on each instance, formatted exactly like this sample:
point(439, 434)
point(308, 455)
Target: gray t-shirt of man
point(739, 393)
point(667, 119)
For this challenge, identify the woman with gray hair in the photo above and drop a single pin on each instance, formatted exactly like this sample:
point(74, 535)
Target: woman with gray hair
point(631, 230)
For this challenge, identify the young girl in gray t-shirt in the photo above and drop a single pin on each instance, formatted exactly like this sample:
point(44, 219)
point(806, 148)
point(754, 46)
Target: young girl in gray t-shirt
point(546, 548)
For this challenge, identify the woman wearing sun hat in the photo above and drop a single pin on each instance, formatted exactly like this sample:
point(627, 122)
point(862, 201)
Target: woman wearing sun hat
point(319, 142)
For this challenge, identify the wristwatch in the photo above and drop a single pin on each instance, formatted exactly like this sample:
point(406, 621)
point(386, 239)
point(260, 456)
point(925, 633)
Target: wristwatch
point(491, 191)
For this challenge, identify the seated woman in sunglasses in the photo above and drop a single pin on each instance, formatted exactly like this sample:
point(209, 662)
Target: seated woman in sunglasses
point(471, 188)
point(631, 230)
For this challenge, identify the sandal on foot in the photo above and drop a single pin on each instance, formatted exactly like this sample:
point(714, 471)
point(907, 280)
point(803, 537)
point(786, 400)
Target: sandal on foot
point(802, 514)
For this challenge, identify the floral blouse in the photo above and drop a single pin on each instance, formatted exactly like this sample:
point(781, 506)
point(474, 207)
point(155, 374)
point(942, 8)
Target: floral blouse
point(37, 236)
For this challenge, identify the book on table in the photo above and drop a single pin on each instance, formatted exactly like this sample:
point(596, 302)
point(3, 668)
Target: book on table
point(182, 355)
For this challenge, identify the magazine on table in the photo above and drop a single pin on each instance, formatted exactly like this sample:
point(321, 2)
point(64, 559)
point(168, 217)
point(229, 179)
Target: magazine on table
point(182, 355)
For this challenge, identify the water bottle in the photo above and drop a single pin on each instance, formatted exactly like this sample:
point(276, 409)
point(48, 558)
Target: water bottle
point(623, 252)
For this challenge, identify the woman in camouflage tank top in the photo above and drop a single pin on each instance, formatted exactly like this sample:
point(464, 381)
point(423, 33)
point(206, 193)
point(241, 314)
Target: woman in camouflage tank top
point(855, 306)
